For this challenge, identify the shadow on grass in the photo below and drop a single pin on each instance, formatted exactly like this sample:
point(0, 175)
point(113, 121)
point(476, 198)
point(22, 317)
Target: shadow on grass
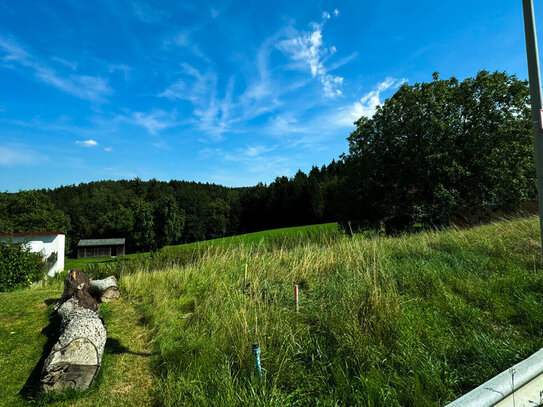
point(31, 389)
point(114, 347)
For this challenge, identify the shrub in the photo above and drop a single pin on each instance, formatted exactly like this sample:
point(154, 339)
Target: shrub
point(18, 266)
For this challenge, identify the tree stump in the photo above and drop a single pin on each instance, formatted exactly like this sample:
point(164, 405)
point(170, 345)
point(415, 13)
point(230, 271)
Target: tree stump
point(105, 290)
point(76, 284)
point(76, 357)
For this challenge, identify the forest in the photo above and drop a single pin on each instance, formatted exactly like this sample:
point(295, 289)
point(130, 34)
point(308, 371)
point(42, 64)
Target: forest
point(432, 152)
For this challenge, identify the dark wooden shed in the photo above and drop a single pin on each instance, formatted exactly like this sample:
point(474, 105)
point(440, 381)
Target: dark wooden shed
point(87, 248)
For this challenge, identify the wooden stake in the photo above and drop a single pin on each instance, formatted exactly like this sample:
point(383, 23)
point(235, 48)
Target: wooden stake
point(296, 297)
point(245, 276)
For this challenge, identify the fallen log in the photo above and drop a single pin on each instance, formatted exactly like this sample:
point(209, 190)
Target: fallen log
point(76, 357)
point(76, 284)
point(105, 290)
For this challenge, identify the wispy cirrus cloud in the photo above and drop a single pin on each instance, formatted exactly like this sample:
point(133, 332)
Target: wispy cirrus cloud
point(308, 49)
point(15, 155)
point(65, 62)
point(146, 13)
point(87, 143)
point(212, 113)
point(257, 162)
point(367, 104)
point(183, 39)
point(154, 122)
point(87, 87)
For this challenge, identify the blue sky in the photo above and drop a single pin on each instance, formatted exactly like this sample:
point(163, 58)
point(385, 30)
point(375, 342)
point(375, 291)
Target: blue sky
point(228, 92)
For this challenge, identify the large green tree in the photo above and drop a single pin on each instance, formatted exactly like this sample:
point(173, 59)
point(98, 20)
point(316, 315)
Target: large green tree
point(30, 211)
point(439, 149)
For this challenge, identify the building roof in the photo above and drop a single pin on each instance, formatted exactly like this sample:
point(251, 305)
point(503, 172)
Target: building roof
point(31, 234)
point(101, 242)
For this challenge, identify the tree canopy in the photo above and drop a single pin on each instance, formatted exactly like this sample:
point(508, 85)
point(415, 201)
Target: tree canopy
point(436, 150)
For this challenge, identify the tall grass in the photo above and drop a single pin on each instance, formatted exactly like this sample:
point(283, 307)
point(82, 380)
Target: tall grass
point(192, 253)
point(412, 320)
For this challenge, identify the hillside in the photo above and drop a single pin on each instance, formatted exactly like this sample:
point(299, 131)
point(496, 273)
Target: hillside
point(413, 320)
point(263, 237)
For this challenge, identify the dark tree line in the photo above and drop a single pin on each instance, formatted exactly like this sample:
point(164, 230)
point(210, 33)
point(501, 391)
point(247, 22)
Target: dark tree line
point(153, 214)
point(432, 152)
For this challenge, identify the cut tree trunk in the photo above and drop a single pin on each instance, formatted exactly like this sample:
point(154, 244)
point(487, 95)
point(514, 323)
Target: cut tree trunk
point(75, 358)
point(105, 290)
point(76, 284)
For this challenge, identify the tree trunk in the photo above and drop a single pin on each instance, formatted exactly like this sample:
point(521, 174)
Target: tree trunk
point(75, 358)
point(105, 290)
point(76, 284)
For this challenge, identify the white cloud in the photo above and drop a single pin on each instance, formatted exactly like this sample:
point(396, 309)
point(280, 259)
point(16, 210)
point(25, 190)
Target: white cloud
point(87, 143)
point(259, 162)
point(212, 112)
point(19, 155)
point(256, 151)
point(147, 14)
point(125, 69)
point(307, 47)
point(86, 87)
point(367, 104)
point(285, 125)
point(108, 149)
point(336, 12)
point(183, 39)
point(153, 122)
point(69, 64)
point(325, 15)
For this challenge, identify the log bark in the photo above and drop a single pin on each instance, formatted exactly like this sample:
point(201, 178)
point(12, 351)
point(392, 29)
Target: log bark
point(76, 284)
point(76, 357)
point(105, 290)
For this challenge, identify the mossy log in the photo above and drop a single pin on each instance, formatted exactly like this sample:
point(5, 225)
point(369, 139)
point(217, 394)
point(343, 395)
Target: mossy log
point(105, 290)
point(76, 357)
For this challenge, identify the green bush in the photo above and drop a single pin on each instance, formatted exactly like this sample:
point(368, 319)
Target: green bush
point(18, 266)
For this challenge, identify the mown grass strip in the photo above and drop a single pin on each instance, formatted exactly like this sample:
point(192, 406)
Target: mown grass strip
point(25, 326)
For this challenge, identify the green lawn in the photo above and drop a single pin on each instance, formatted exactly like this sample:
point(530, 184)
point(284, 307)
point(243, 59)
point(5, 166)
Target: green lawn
point(25, 331)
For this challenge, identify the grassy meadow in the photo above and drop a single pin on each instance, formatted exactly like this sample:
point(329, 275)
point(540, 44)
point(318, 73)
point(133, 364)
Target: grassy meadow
point(414, 320)
point(269, 237)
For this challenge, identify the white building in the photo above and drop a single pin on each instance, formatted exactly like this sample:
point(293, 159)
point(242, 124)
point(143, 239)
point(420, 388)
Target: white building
point(49, 244)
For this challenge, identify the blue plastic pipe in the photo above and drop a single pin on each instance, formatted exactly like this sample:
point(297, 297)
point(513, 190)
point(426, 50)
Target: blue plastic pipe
point(256, 352)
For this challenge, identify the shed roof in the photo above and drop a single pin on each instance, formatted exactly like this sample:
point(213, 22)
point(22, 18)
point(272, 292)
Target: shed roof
point(101, 242)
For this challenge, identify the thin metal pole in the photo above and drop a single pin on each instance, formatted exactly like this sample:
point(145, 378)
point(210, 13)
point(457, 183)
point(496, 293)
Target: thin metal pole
point(535, 97)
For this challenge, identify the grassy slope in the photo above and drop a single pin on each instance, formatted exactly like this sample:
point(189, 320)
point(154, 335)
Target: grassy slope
point(247, 239)
point(416, 320)
point(263, 236)
point(124, 378)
